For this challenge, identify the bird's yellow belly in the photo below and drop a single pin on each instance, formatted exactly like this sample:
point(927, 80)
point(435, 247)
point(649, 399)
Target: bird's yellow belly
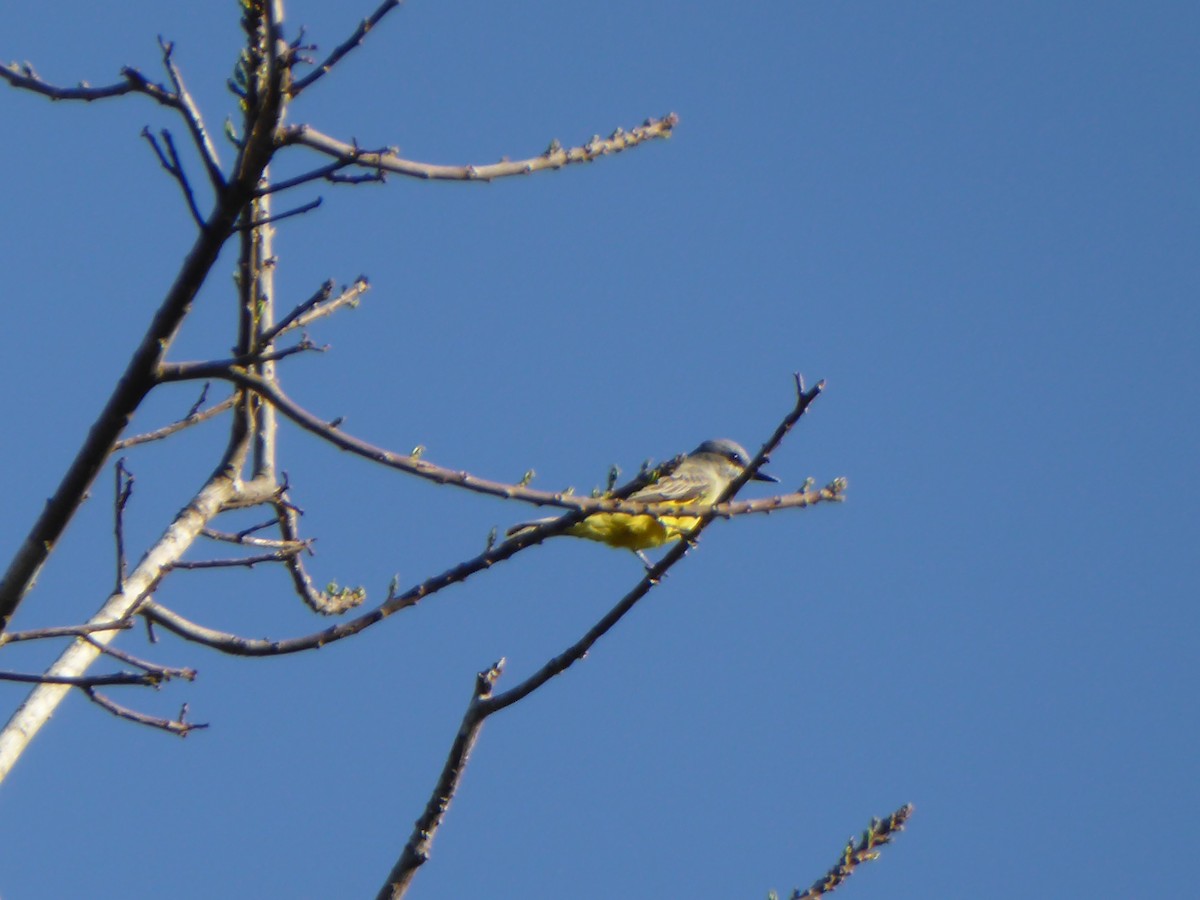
point(633, 532)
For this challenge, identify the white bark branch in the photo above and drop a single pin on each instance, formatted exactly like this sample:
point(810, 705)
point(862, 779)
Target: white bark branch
point(220, 491)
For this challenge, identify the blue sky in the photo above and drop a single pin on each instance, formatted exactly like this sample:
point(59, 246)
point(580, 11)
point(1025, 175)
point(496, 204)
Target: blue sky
point(977, 222)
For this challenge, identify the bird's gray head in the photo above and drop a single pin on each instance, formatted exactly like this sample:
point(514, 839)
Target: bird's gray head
point(732, 451)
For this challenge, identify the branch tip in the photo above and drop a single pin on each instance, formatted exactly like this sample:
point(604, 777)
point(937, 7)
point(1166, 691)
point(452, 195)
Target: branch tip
point(878, 833)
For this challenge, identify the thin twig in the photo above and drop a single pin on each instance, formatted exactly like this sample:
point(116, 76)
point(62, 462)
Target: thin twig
point(173, 726)
point(355, 40)
point(323, 293)
point(317, 306)
point(145, 679)
point(23, 77)
point(193, 371)
point(195, 407)
point(248, 562)
point(416, 851)
point(181, 177)
point(327, 173)
point(484, 704)
point(554, 157)
point(333, 601)
point(164, 673)
point(169, 160)
point(880, 832)
point(192, 418)
point(191, 115)
point(124, 490)
point(58, 631)
point(297, 546)
point(304, 346)
point(377, 177)
point(269, 220)
point(253, 529)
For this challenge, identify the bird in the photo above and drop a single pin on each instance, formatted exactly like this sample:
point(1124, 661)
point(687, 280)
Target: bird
point(699, 480)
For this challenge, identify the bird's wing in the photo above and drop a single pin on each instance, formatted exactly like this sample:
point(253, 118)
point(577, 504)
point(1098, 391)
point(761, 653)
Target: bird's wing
point(678, 487)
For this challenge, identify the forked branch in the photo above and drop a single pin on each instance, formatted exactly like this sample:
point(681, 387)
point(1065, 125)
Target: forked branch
point(23, 77)
point(191, 115)
point(355, 40)
point(140, 374)
point(485, 703)
point(319, 305)
point(168, 158)
point(416, 851)
point(178, 726)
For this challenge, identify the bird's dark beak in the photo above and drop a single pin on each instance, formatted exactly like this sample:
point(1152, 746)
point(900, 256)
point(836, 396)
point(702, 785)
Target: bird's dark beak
point(763, 476)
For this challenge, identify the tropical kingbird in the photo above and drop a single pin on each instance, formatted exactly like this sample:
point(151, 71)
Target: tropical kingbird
point(698, 480)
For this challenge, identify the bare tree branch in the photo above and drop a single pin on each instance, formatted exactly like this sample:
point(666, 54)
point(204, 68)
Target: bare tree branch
point(130, 390)
point(58, 631)
point(416, 851)
point(269, 220)
point(121, 495)
point(191, 115)
point(880, 832)
point(248, 541)
point(355, 40)
point(173, 726)
point(484, 703)
point(415, 465)
point(333, 601)
point(318, 306)
point(163, 673)
point(266, 103)
point(579, 649)
point(239, 536)
point(247, 475)
point(241, 646)
point(233, 562)
point(193, 417)
point(195, 371)
point(256, 311)
point(141, 373)
point(169, 160)
point(223, 490)
point(23, 77)
point(327, 173)
point(145, 679)
point(555, 156)
point(237, 645)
